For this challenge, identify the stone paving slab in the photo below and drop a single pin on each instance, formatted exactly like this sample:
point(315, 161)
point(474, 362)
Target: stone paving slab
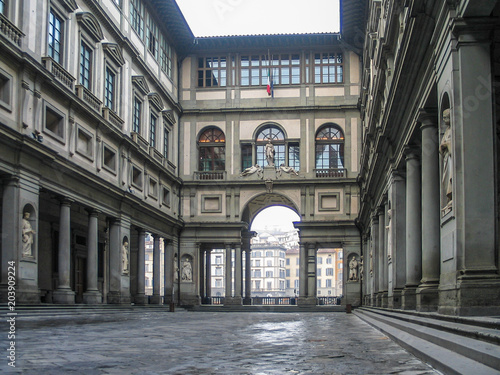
point(185, 343)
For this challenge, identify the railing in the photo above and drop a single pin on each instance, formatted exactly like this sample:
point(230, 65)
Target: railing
point(112, 117)
point(213, 300)
point(10, 31)
point(211, 175)
point(329, 301)
point(59, 72)
point(89, 98)
point(330, 172)
point(273, 301)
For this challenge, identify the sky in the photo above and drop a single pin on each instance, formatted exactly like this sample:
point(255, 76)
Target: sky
point(248, 17)
point(275, 216)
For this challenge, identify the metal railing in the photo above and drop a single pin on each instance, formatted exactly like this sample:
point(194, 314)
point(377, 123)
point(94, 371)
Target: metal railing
point(273, 301)
point(332, 301)
point(330, 172)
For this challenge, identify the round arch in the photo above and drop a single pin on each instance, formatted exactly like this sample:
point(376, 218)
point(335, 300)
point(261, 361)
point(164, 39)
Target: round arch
point(266, 124)
point(262, 201)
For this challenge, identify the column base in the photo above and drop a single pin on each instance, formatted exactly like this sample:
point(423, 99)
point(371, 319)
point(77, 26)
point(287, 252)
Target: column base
point(247, 301)
point(25, 296)
point(116, 298)
point(427, 298)
point(141, 299)
point(93, 297)
point(409, 298)
point(232, 301)
point(384, 299)
point(378, 299)
point(156, 300)
point(63, 296)
point(306, 301)
point(471, 298)
point(394, 301)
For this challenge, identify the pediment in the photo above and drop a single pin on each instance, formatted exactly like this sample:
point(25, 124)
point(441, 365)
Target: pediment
point(88, 21)
point(70, 5)
point(141, 84)
point(155, 100)
point(168, 115)
point(114, 51)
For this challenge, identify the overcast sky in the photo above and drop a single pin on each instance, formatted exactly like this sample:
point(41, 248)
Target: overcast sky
point(275, 216)
point(247, 17)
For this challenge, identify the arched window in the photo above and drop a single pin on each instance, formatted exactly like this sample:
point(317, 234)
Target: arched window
point(329, 147)
point(211, 144)
point(277, 138)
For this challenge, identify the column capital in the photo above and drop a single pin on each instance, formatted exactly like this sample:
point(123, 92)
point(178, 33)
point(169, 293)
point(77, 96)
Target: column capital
point(411, 153)
point(93, 212)
point(428, 117)
point(66, 201)
point(473, 29)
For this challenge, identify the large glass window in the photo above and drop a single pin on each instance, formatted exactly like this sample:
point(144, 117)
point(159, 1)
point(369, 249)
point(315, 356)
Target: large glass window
point(166, 57)
point(85, 65)
point(274, 135)
point(246, 156)
point(3, 6)
point(330, 148)
point(152, 130)
point(328, 68)
point(109, 89)
point(283, 69)
point(136, 116)
point(165, 142)
point(211, 145)
point(153, 37)
point(212, 71)
point(137, 17)
point(55, 36)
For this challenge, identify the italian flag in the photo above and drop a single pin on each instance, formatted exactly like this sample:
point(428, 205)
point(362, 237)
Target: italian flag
point(269, 83)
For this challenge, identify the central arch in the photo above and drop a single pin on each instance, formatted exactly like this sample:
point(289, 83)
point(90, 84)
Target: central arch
point(264, 200)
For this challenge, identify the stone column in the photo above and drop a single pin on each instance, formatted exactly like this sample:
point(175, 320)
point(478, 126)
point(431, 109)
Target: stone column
point(208, 275)
point(64, 294)
point(374, 259)
point(168, 267)
point(312, 285)
point(381, 259)
point(115, 266)
point(141, 298)
point(228, 276)
point(427, 293)
point(156, 297)
point(238, 274)
point(92, 294)
point(303, 271)
point(413, 231)
point(248, 277)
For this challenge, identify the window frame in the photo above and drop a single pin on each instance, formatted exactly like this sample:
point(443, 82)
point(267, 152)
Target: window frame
point(222, 71)
point(320, 67)
point(114, 95)
point(136, 127)
point(282, 147)
point(85, 43)
point(330, 141)
point(210, 146)
point(54, 12)
point(153, 129)
point(137, 15)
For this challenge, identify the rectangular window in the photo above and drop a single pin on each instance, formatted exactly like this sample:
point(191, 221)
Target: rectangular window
point(329, 260)
point(55, 36)
point(297, 261)
point(166, 197)
point(109, 158)
point(269, 285)
point(294, 156)
point(287, 261)
point(283, 69)
point(319, 285)
point(328, 68)
point(287, 272)
point(257, 273)
point(54, 122)
point(257, 284)
point(257, 262)
point(320, 260)
point(246, 156)
point(152, 131)
point(212, 71)
point(328, 283)
point(153, 37)
point(109, 89)
point(318, 273)
point(269, 273)
point(165, 142)
point(137, 17)
point(297, 273)
point(296, 284)
point(288, 284)
point(5, 90)
point(329, 272)
point(3, 7)
point(166, 57)
point(136, 115)
point(269, 254)
point(269, 263)
point(85, 65)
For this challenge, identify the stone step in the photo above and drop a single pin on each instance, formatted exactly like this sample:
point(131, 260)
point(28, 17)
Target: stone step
point(267, 308)
point(449, 352)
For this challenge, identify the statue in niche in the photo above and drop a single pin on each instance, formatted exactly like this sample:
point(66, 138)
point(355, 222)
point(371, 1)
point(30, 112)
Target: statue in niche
point(445, 149)
point(361, 268)
point(125, 257)
point(27, 235)
point(176, 269)
point(251, 170)
point(187, 270)
point(270, 153)
point(353, 269)
point(286, 169)
point(388, 228)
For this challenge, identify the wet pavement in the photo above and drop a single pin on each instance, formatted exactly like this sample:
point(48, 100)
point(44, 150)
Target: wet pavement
point(156, 342)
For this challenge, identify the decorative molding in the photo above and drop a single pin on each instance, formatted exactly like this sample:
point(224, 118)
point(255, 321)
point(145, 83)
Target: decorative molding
point(168, 115)
point(155, 99)
point(114, 51)
point(141, 84)
point(69, 5)
point(88, 21)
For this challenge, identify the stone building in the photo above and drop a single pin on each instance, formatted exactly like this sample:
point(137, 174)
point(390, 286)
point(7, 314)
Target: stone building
point(429, 164)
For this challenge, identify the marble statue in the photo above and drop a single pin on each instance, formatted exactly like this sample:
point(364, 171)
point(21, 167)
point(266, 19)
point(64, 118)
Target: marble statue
point(187, 270)
point(251, 170)
point(353, 269)
point(445, 149)
point(388, 228)
point(27, 235)
point(125, 257)
point(286, 169)
point(270, 154)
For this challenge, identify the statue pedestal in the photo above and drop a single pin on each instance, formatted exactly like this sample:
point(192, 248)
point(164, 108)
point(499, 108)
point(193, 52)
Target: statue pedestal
point(269, 173)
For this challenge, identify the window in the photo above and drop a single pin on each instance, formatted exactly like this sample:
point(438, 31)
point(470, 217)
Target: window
point(329, 272)
point(152, 130)
point(319, 285)
point(136, 115)
point(297, 261)
point(328, 68)
point(287, 261)
point(269, 273)
point(288, 284)
point(152, 37)
point(320, 260)
point(257, 284)
point(137, 17)
point(269, 254)
point(297, 273)
point(55, 36)
point(329, 148)
point(257, 273)
point(296, 284)
point(109, 159)
point(329, 260)
point(54, 122)
point(3, 7)
point(212, 71)
point(166, 57)
point(269, 263)
point(318, 272)
point(282, 69)
point(166, 197)
point(287, 272)
point(274, 135)
point(5, 90)
point(165, 142)
point(85, 65)
point(257, 262)
point(84, 145)
point(136, 177)
point(328, 283)
point(211, 146)
point(109, 89)
point(294, 156)
point(246, 156)
point(269, 285)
